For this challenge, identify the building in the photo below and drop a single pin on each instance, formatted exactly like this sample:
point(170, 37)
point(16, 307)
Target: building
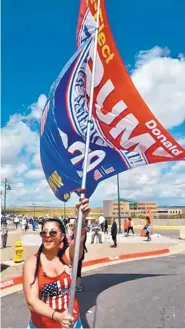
point(169, 211)
point(129, 208)
point(147, 206)
point(124, 208)
point(110, 208)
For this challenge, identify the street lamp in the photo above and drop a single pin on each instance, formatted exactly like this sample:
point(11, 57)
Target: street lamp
point(33, 204)
point(64, 210)
point(6, 188)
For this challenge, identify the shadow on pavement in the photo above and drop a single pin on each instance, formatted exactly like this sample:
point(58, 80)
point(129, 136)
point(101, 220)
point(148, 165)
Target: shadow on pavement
point(3, 267)
point(6, 247)
point(97, 283)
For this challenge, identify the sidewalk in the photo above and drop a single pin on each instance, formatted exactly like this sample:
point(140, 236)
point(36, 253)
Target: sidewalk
point(129, 245)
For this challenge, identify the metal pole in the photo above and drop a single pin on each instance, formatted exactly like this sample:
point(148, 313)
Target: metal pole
point(119, 212)
point(34, 210)
point(83, 185)
point(64, 210)
point(5, 183)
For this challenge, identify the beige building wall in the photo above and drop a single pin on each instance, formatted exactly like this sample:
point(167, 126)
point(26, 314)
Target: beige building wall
point(124, 208)
point(110, 209)
point(107, 208)
point(146, 206)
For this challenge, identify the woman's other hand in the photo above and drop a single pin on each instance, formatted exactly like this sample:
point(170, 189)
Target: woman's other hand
point(85, 208)
point(64, 318)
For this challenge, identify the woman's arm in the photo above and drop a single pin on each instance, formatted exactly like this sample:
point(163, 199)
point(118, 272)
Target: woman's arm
point(85, 212)
point(31, 293)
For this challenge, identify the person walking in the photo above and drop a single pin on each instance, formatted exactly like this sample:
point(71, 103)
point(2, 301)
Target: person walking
point(106, 227)
point(114, 232)
point(96, 231)
point(34, 223)
point(147, 228)
point(102, 227)
point(23, 224)
point(47, 276)
point(16, 222)
point(130, 226)
point(4, 235)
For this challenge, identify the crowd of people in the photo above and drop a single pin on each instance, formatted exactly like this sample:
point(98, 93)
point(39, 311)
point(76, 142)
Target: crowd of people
point(96, 228)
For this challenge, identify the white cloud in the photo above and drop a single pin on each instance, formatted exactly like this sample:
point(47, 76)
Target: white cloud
point(182, 140)
point(36, 159)
point(179, 166)
point(37, 108)
point(17, 137)
point(21, 168)
point(147, 183)
point(160, 80)
point(11, 171)
point(34, 174)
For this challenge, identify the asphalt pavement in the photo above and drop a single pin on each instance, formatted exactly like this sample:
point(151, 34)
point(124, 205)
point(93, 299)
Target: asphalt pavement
point(140, 294)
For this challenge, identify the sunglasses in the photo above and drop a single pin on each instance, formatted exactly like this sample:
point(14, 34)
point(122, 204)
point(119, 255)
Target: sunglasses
point(51, 233)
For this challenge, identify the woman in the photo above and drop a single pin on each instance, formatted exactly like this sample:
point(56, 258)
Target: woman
point(130, 226)
point(47, 277)
point(147, 228)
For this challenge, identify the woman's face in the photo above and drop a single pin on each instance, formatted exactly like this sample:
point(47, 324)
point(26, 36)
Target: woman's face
point(51, 235)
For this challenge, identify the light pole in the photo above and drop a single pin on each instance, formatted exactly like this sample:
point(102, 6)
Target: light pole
point(33, 204)
point(119, 212)
point(6, 188)
point(64, 210)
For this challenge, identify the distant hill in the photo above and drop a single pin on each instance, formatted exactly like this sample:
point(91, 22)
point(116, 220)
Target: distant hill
point(41, 211)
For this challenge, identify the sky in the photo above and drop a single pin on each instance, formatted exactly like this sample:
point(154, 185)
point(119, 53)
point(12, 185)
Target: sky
point(38, 37)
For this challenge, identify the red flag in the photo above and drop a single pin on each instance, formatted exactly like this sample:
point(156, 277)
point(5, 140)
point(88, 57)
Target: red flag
point(122, 117)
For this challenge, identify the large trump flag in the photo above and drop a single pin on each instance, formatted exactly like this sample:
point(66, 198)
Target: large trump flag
point(124, 133)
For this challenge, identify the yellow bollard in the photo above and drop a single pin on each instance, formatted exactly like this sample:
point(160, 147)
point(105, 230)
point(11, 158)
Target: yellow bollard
point(18, 252)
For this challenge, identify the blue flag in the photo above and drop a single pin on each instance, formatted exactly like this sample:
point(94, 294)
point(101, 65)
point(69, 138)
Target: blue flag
point(63, 135)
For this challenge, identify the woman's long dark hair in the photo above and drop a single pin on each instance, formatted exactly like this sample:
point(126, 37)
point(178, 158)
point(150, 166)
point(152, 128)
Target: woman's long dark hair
point(60, 251)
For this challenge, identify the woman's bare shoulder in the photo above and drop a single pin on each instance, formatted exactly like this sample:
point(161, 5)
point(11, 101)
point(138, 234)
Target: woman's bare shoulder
point(31, 262)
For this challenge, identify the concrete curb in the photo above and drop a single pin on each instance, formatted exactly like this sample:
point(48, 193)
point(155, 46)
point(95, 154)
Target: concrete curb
point(15, 284)
point(18, 280)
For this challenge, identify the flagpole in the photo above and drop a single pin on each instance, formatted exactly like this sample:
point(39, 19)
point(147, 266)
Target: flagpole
point(5, 195)
point(119, 212)
point(83, 185)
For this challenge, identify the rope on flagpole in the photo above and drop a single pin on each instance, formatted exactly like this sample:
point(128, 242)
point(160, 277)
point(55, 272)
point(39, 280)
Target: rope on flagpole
point(84, 176)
